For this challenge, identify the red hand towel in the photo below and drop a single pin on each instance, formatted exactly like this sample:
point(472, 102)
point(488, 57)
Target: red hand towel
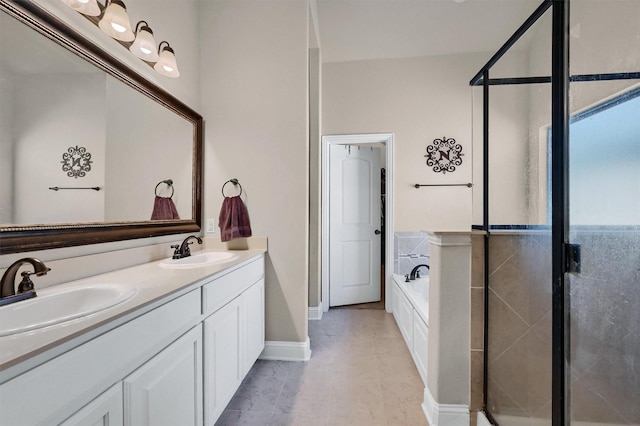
point(164, 209)
point(234, 219)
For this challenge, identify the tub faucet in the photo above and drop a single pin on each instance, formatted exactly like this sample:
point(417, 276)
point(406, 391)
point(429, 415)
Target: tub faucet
point(183, 249)
point(8, 281)
point(415, 273)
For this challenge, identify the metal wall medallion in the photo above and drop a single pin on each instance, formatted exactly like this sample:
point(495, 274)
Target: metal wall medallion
point(444, 155)
point(76, 162)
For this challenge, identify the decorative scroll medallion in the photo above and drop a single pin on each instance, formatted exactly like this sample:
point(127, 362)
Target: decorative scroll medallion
point(444, 155)
point(76, 162)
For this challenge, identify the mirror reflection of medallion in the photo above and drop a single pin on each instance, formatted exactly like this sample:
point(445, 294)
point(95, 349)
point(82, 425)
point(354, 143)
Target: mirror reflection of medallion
point(76, 161)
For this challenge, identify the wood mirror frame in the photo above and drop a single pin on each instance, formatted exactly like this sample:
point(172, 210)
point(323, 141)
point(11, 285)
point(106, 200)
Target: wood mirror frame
point(24, 238)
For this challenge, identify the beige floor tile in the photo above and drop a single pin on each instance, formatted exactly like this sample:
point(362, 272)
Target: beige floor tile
point(360, 374)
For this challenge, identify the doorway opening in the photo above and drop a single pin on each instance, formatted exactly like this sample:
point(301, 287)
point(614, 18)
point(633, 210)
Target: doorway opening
point(380, 233)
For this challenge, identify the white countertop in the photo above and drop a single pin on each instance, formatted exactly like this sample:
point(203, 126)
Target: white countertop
point(154, 286)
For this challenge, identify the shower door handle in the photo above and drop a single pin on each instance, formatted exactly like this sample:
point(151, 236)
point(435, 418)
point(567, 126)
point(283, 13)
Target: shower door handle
point(574, 258)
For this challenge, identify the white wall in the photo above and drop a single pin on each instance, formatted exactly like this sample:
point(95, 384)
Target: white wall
point(418, 100)
point(255, 105)
point(315, 201)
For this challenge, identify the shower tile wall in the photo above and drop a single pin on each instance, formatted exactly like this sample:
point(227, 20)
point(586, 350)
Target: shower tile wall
point(477, 322)
point(605, 330)
point(519, 347)
point(410, 249)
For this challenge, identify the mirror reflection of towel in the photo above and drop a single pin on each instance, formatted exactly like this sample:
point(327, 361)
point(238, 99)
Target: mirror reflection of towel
point(164, 209)
point(234, 219)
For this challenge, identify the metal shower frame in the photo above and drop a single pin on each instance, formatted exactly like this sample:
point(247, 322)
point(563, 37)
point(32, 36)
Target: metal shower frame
point(561, 249)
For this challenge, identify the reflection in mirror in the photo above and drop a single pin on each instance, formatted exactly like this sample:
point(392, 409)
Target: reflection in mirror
point(80, 148)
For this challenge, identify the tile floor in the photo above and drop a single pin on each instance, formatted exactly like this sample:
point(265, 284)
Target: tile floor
point(360, 374)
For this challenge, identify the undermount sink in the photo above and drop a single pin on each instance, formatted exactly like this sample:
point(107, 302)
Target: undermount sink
point(197, 260)
point(59, 305)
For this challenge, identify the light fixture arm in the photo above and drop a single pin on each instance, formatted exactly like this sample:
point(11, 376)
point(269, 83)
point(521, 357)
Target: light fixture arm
point(118, 2)
point(145, 26)
point(168, 47)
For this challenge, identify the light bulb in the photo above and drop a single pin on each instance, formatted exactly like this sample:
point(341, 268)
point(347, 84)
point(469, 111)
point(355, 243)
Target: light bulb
point(119, 28)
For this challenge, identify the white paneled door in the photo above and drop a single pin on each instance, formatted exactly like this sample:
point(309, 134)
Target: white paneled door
point(354, 224)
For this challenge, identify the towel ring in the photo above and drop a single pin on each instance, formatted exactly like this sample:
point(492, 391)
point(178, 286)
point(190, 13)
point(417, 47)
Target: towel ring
point(169, 183)
point(235, 183)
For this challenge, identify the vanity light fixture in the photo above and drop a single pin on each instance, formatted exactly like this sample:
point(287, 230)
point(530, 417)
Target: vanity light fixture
point(86, 7)
point(115, 21)
point(167, 64)
point(144, 46)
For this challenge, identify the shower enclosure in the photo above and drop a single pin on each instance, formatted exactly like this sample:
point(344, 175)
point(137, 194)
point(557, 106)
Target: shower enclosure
point(557, 113)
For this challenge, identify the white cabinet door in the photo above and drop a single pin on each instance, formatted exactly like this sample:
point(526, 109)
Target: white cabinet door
point(404, 316)
point(253, 324)
point(396, 294)
point(105, 410)
point(420, 345)
point(167, 390)
point(222, 359)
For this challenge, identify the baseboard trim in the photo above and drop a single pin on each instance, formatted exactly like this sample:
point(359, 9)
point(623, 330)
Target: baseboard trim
point(315, 312)
point(444, 414)
point(287, 351)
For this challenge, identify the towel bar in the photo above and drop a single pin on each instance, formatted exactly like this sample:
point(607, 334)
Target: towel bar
point(468, 185)
point(57, 188)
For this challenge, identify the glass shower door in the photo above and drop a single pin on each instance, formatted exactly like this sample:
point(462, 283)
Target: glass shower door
point(605, 295)
point(604, 214)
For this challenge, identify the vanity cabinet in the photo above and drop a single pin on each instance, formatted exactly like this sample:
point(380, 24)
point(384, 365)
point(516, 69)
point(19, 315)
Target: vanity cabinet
point(68, 382)
point(233, 334)
point(222, 367)
point(178, 363)
point(105, 410)
point(167, 390)
point(253, 323)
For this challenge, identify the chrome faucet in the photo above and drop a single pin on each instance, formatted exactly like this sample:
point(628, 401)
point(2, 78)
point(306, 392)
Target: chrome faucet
point(415, 272)
point(25, 288)
point(183, 250)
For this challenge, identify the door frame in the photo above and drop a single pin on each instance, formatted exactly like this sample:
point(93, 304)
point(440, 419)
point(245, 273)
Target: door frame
point(357, 139)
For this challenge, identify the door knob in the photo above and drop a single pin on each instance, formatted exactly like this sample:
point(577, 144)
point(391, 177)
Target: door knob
point(377, 232)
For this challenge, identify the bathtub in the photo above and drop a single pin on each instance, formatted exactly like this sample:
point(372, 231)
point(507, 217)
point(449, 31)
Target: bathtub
point(417, 291)
point(410, 304)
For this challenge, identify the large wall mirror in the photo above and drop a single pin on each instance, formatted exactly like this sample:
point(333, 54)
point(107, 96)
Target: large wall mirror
point(90, 151)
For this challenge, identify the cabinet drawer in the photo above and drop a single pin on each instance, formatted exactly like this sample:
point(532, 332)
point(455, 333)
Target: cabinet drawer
point(224, 289)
